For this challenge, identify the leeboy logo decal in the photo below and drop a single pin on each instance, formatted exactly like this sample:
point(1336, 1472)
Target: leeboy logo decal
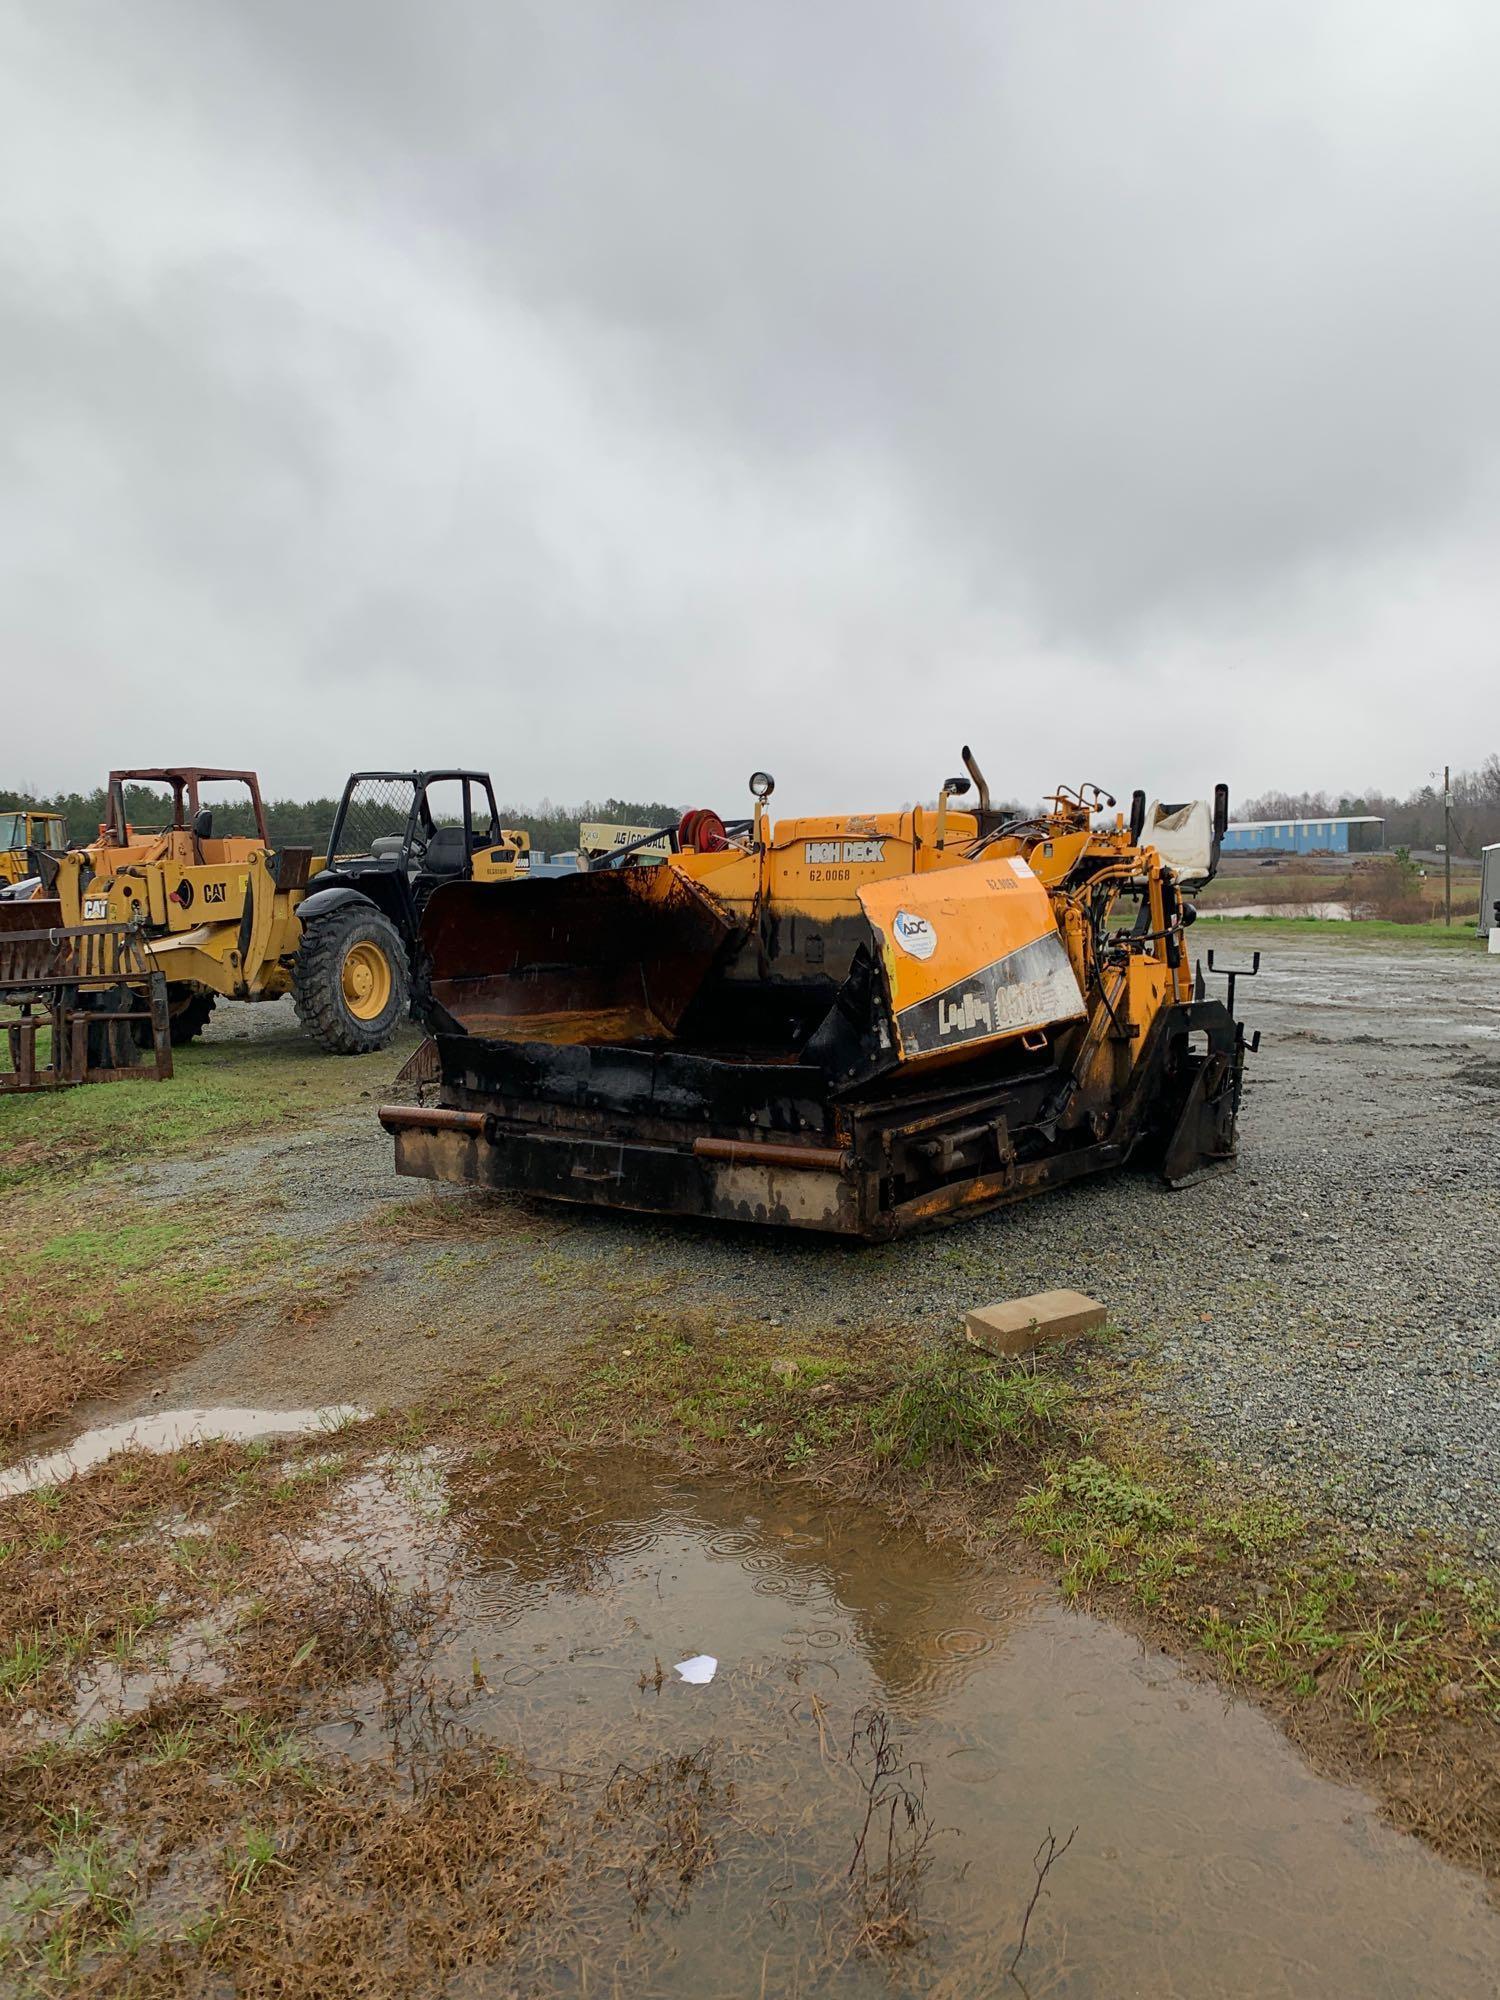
point(914, 934)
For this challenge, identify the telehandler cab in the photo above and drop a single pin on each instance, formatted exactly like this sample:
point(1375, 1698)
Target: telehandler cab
point(224, 914)
point(396, 836)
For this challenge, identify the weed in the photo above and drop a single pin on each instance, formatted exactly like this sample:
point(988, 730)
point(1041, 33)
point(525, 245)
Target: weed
point(83, 1898)
point(891, 1855)
point(954, 1409)
point(174, 1744)
point(1114, 1496)
point(255, 1854)
point(25, 1663)
point(135, 1621)
point(1258, 1526)
point(265, 1753)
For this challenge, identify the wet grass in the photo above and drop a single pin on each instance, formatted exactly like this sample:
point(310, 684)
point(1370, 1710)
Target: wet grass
point(94, 1292)
point(954, 1409)
point(210, 1840)
point(830, 1406)
point(1390, 1667)
point(214, 1094)
point(323, 1878)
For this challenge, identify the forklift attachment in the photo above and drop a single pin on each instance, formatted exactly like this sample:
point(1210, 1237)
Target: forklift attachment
point(92, 992)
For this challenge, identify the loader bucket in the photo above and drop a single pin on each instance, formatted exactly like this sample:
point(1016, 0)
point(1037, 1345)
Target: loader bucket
point(583, 960)
point(35, 913)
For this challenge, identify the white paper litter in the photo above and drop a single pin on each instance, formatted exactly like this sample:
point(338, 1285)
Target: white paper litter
point(698, 1670)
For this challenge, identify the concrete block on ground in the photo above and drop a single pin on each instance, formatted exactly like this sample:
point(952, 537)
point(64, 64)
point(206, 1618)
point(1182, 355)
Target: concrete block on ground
point(1015, 1326)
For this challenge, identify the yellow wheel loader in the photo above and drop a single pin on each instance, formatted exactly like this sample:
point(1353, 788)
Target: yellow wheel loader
point(855, 1024)
point(25, 837)
point(222, 914)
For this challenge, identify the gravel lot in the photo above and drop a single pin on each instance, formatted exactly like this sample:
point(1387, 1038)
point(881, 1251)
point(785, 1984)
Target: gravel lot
point(1328, 1315)
point(1341, 1322)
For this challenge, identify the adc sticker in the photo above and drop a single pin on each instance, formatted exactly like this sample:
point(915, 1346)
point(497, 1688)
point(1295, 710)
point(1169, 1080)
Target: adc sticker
point(914, 934)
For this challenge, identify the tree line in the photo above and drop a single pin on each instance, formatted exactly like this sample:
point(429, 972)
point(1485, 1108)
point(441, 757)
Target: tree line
point(309, 822)
point(1413, 822)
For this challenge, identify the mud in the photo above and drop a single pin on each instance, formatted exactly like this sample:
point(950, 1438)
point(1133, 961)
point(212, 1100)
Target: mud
point(1356, 1237)
point(1208, 1859)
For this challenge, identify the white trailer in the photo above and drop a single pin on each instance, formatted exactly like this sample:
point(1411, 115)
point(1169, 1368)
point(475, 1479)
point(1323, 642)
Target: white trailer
point(1489, 894)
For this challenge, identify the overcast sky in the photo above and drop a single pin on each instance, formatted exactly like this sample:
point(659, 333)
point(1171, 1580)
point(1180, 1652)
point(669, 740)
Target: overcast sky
point(624, 395)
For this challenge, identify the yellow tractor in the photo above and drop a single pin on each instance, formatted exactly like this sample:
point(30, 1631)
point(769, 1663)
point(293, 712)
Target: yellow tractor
point(224, 914)
point(25, 836)
point(858, 1024)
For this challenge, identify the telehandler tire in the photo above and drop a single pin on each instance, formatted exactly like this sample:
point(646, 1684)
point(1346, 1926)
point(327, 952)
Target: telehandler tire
point(351, 983)
point(190, 1010)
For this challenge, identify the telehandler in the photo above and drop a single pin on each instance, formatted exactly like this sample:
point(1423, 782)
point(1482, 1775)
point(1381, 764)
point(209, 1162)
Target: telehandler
point(224, 914)
point(855, 1024)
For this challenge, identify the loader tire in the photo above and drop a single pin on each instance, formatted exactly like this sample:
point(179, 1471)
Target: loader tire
point(190, 1011)
point(351, 982)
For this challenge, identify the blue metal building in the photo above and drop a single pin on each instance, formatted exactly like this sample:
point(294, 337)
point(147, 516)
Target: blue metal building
point(1362, 833)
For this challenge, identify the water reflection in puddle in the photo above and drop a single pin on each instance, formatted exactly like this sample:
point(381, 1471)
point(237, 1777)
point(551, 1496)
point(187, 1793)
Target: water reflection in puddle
point(1209, 1859)
point(167, 1430)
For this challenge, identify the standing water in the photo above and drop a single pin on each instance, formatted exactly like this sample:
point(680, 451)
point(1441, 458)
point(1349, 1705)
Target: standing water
point(855, 1663)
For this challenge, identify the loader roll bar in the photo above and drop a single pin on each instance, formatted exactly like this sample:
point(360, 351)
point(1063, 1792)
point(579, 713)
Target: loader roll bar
point(184, 780)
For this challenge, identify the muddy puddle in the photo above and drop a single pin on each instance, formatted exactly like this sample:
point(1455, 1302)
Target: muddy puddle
point(955, 1714)
point(168, 1430)
point(1415, 997)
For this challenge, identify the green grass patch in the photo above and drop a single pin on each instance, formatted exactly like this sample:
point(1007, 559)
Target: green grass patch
point(870, 1407)
point(1460, 937)
point(87, 1301)
point(144, 1244)
point(217, 1091)
point(955, 1409)
point(1276, 1600)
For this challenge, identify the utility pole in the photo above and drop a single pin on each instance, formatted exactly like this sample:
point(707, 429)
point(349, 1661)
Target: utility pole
point(1447, 846)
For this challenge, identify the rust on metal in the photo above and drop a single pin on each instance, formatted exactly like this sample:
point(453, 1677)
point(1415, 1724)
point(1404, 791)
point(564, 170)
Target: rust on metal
point(429, 1118)
point(859, 1024)
point(93, 991)
point(184, 780)
point(753, 1153)
point(616, 956)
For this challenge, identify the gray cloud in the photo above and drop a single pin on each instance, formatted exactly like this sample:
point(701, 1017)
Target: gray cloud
point(627, 395)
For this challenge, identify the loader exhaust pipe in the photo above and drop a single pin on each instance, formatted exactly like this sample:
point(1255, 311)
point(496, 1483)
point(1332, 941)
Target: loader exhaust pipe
point(988, 818)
